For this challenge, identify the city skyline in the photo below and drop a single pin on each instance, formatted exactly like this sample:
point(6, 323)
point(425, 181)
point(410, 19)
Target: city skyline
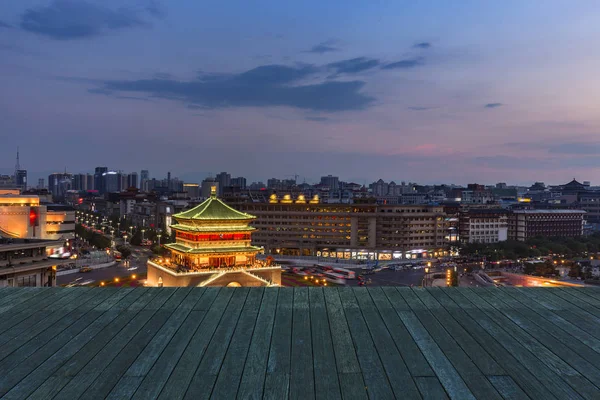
point(430, 92)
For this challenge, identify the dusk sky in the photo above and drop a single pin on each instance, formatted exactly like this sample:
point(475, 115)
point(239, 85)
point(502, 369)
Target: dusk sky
point(427, 91)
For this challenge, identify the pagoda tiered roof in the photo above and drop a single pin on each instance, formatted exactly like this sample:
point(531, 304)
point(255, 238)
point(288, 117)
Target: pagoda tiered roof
point(213, 228)
point(213, 209)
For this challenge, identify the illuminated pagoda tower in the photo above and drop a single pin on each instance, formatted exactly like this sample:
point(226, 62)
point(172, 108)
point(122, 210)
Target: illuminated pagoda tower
point(213, 248)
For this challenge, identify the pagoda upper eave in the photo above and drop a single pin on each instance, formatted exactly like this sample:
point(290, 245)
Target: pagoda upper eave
point(211, 250)
point(213, 229)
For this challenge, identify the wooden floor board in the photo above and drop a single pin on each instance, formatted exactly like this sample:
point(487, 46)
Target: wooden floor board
point(501, 331)
point(327, 385)
point(376, 380)
point(255, 367)
point(275, 343)
point(352, 384)
point(206, 374)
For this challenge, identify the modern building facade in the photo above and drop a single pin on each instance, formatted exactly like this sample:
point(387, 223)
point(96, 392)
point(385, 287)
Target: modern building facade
point(297, 226)
point(483, 225)
point(26, 262)
point(23, 216)
point(526, 224)
point(213, 248)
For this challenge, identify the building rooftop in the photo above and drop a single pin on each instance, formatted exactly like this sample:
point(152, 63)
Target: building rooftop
point(557, 211)
point(327, 343)
point(213, 209)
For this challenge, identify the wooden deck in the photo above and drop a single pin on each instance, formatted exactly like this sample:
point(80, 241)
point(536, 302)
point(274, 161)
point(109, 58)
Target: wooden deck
point(300, 343)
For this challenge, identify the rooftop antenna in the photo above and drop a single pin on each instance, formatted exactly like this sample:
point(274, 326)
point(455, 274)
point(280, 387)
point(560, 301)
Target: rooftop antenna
point(17, 165)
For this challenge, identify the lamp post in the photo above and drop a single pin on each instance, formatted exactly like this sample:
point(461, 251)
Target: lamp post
point(143, 230)
point(426, 273)
point(159, 235)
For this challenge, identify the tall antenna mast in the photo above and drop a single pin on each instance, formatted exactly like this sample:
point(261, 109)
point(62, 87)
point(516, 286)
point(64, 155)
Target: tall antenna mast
point(17, 165)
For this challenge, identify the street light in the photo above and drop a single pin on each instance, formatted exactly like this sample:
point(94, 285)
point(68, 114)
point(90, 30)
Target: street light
point(143, 230)
point(159, 235)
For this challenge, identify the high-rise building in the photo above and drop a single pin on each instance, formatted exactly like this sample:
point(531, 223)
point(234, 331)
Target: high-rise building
point(59, 183)
point(90, 182)
point(332, 182)
point(207, 185)
point(80, 182)
point(41, 183)
point(132, 180)
point(111, 182)
point(239, 182)
point(192, 190)
point(144, 179)
point(224, 180)
point(21, 179)
point(99, 182)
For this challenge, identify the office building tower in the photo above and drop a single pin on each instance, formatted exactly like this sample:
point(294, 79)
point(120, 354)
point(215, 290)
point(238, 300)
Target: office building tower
point(99, 179)
point(332, 182)
point(111, 182)
point(207, 185)
point(132, 180)
point(41, 183)
point(224, 180)
point(239, 182)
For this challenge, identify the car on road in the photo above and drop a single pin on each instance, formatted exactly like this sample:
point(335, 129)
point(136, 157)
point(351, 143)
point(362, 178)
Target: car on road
point(85, 269)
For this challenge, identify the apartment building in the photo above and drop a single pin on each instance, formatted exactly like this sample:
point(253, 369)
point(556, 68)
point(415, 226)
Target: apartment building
point(348, 231)
point(526, 224)
point(483, 225)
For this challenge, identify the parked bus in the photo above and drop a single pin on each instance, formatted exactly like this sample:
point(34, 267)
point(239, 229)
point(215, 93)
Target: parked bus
point(346, 273)
point(335, 278)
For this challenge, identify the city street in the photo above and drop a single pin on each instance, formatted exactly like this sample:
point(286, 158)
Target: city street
point(388, 277)
point(137, 260)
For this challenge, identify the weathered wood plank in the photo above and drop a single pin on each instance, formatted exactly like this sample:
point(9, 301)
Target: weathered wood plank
point(468, 371)
point(277, 377)
point(398, 375)
point(519, 350)
point(326, 376)
point(465, 313)
point(72, 366)
point(443, 368)
point(411, 354)
point(255, 367)
point(507, 387)
point(19, 370)
point(430, 387)
point(129, 382)
point(376, 380)
point(230, 374)
point(547, 349)
point(205, 376)
point(181, 376)
point(155, 379)
point(139, 313)
point(577, 355)
point(302, 384)
point(555, 320)
point(71, 345)
point(27, 314)
point(477, 353)
point(349, 373)
point(109, 377)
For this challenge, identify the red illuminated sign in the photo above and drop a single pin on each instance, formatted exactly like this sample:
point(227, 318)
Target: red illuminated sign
point(33, 217)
